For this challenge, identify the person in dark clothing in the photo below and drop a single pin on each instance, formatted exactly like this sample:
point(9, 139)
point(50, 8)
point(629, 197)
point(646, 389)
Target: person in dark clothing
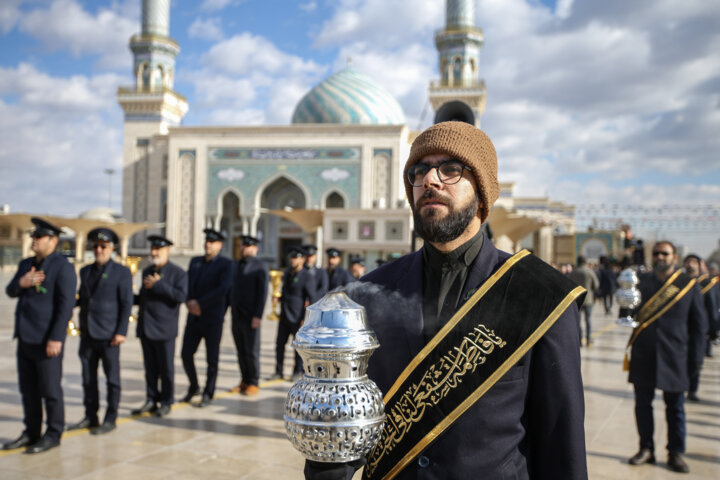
point(45, 288)
point(692, 265)
point(357, 267)
point(515, 407)
point(297, 290)
point(164, 290)
point(247, 300)
point(671, 334)
point(209, 279)
point(608, 284)
point(105, 299)
point(319, 275)
point(337, 275)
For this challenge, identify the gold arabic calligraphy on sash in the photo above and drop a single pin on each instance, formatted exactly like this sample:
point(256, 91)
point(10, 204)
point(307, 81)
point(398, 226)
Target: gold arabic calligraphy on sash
point(437, 382)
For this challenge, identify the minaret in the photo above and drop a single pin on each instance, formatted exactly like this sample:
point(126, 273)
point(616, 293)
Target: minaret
point(150, 106)
point(460, 93)
point(153, 99)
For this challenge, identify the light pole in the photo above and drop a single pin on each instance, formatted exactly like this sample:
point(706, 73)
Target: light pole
point(110, 172)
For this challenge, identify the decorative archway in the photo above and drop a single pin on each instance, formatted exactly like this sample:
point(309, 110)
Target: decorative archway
point(231, 222)
point(278, 234)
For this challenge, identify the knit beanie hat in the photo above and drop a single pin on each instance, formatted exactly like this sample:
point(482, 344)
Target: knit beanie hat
point(470, 146)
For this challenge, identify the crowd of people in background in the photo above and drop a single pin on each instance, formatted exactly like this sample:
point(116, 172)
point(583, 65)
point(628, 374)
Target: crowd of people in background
point(676, 325)
point(45, 286)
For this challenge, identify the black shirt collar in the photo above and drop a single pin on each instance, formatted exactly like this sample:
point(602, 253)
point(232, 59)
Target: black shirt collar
point(461, 257)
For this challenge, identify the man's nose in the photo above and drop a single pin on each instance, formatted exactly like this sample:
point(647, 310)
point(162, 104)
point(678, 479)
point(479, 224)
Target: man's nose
point(432, 179)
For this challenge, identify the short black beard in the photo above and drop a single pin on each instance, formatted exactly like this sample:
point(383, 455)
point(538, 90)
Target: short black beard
point(445, 229)
point(661, 267)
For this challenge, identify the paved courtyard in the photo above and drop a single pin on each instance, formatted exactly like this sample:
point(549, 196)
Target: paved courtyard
point(243, 438)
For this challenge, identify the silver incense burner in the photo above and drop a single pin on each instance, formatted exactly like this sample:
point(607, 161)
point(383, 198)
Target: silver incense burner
point(628, 297)
point(335, 413)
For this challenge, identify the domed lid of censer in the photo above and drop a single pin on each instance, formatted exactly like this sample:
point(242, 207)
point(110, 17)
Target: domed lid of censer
point(335, 322)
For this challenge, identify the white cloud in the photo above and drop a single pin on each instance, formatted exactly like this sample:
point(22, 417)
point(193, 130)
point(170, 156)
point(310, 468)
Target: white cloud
point(206, 29)
point(308, 7)
point(380, 22)
point(57, 136)
point(65, 25)
point(9, 15)
point(246, 52)
point(215, 5)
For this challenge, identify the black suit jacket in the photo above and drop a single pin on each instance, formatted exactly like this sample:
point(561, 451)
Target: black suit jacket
point(208, 284)
point(160, 305)
point(661, 353)
point(296, 289)
point(249, 288)
point(339, 277)
point(105, 310)
point(529, 425)
point(319, 280)
point(43, 315)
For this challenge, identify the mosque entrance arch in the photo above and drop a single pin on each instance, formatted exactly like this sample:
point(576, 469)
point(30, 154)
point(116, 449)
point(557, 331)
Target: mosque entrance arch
point(231, 224)
point(277, 234)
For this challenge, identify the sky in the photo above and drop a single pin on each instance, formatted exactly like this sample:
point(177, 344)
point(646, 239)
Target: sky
point(612, 106)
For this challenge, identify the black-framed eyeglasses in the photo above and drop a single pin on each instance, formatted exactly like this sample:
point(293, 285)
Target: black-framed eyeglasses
point(449, 172)
point(100, 246)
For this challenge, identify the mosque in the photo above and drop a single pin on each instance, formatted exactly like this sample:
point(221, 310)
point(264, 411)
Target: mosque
point(332, 177)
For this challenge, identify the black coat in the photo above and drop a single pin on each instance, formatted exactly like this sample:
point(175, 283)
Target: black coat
point(339, 277)
point(528, 425)
point(42, 314)
point(660, 355)
point(208, 284)
point(105, 310)
point(249, 287)
point(319, 280)
point(160, 305)
point(296, 289)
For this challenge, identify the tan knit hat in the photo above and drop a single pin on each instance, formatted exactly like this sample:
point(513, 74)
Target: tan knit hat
point(469, 145)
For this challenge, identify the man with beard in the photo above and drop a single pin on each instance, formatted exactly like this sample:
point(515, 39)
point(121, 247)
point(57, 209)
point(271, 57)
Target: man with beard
point(209, 280)
point(481, 373)
point(164, 289)
point(297, 290)
point(247, 300)
point(105, 298)
point(670, 335)
point(693, 266)
point(45, 288)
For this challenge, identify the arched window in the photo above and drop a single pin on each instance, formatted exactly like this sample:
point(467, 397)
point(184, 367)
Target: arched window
point(334, 200)
point(457, 71)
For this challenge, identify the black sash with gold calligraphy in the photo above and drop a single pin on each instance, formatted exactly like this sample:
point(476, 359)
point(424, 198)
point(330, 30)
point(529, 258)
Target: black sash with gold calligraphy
point(669, 294)
point(500, 322)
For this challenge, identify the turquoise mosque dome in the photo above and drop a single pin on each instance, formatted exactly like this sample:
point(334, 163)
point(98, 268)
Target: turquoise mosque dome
point(349, 97)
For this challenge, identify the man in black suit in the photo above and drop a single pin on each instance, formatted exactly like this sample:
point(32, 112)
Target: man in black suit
point(693, 266)
point(337, 275)
point(209, 280)
point(318, 275)
point(45, 288)
point(247, 300)
point(478, 358)
point(671, 335)
point(105, 299)
point(164, 289)
point(297, 290)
